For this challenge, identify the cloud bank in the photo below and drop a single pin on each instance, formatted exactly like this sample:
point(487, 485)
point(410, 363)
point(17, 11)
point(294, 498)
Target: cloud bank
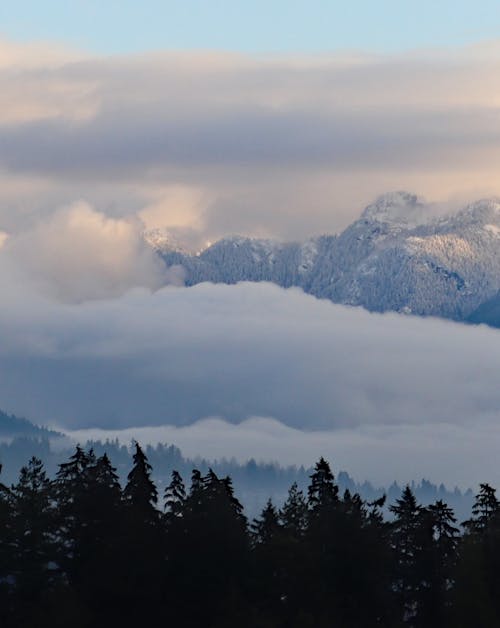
point(179, 354)
point(215, 143)
point(457, 455)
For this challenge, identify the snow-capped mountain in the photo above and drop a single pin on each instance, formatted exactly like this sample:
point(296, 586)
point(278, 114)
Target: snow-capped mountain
point(397, 256)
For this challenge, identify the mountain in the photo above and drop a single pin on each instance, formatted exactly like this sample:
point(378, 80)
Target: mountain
point(395, 257)
point(12, 426)
point(487, 313)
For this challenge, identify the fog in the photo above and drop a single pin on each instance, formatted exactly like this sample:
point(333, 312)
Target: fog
point(457, 455)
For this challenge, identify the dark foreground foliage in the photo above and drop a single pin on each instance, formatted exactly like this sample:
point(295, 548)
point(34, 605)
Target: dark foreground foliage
point(80, 550)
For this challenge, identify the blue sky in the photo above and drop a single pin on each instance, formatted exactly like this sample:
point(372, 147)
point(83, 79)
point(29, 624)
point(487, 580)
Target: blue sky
point(117, 26)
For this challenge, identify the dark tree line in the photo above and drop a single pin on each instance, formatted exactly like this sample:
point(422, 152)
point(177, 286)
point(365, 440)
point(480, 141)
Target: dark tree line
point(82, 550)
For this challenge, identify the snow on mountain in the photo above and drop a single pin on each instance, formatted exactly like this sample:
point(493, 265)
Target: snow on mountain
point(396, 256)
point(162, 241)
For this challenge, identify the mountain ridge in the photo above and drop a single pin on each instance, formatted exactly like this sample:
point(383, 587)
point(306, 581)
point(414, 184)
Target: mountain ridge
point(397, 256)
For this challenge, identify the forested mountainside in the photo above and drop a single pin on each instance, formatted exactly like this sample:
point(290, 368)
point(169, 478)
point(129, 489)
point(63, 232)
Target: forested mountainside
point(80, 549)
point(487, 313)
point(12, 426)
point(394, 258)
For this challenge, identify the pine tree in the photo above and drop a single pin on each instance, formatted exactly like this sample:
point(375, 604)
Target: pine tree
point(438, 561)
point(71, 492)
point(478, 586)
point(406, 540)
point(141, 547)
point(175, 496)
point(293, 514)
point(33, 518)
point(211, 558)
point(101, 574)
point(484, 511)
point(322, 491)
point(7, 561)
point(267, 527)
point(140, 492)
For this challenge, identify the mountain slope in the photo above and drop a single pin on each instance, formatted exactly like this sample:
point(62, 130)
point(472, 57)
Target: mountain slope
point(487, 313)
point(395, 257)
point(12, 426)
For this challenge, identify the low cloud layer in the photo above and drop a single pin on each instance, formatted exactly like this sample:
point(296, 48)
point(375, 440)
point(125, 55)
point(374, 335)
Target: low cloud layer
point(458, 455)
point(217, 143)
point(181, 354)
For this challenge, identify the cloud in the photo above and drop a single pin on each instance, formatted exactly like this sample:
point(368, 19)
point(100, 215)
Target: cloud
point(458, 455)
point(180, 354)
point(79, 253)
point(290, 377)
point(276, 145)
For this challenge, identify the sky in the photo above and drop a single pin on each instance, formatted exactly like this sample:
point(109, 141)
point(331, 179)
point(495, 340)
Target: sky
point(275, 119)
point(124, 26)
point(209, 144)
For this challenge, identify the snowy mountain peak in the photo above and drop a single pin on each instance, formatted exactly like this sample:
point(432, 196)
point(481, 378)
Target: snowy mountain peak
point(483, 212)
point(401, 208)
point(162, 241)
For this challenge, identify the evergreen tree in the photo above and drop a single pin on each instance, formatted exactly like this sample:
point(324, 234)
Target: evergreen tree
point(293, 514)
point(484, 511)
point(33, 519)
point(175, 496)
point(269, 547)
point(144, 549)
point(211, 560)
point(100, 575)
point(267, 527)
point(141, 494)
point(322, 491)
point(477, 595)
point(439, 556)
point(7, 561)
point(406, 539)
point(71, 502)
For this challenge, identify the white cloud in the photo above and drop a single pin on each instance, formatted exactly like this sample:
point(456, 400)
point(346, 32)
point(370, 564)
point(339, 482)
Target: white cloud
point(458, 455)
point(180, 354)
point(79, 253)
point(218, 143)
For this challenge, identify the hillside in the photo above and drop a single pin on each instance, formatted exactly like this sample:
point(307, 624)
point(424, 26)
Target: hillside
point(395, 257)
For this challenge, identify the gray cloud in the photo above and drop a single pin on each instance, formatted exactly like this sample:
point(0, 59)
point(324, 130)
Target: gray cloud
point(254, 349)
point(462, 455)
point(283, 146)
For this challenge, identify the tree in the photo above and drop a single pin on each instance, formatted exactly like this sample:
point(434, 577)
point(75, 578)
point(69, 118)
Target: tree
point(477, 591)
point(210, 558)
point(322, 491)
point(293, 514)
point(437, 564)
point(32, 520)
point(406, 540)
point(175, 496)
point(484, 511)
point(71, 494)
point(6, 553)
point(141, 494)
